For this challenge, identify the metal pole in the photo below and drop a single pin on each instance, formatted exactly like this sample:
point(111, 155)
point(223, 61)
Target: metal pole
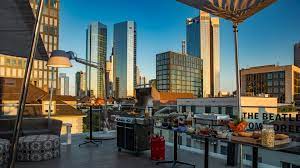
point(51, 95)
point(238, 86)
point(25, 84)
point(237, 70)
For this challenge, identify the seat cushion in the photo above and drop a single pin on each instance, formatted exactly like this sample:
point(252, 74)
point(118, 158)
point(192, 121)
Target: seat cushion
point(38, 147)
point(4, 151)
point(36, 132)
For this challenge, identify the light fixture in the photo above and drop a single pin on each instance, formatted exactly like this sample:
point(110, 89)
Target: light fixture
point(59, 59)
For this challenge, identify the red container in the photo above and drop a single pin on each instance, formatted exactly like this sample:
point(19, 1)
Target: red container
point(157, 148)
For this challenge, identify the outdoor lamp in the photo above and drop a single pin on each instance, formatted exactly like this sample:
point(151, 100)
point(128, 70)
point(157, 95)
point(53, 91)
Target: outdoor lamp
point(59, 59)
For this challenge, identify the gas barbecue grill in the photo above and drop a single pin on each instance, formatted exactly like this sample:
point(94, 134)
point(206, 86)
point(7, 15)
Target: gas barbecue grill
point(133, 134)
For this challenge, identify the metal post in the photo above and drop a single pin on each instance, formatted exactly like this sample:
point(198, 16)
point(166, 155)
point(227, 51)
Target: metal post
point(237, 70)
point(51, 95)
point(25, 84)
point(206, 153)
point(238, 85)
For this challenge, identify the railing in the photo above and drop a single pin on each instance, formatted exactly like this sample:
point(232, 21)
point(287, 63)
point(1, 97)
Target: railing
point(218, 149)
point(72, 115)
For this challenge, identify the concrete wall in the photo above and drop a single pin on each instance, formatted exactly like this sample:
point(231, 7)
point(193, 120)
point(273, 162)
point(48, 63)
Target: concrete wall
point(76, 121)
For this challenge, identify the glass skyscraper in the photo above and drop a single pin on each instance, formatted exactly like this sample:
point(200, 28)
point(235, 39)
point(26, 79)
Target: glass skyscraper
point(80, 84)
point(203, 40)
point(178, 73)
point(96, 48)
point(124, 42)
point(64, 84)
point(297, 54)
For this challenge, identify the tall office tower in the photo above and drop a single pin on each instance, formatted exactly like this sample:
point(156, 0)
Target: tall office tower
point(12, 63)
point(215, 56)
point(297, 54)
point(64, 84)
point(96, 48)
point(109, 76)
point(203, 40)
point(138, 76)
point(80, 84)
point(125, 57)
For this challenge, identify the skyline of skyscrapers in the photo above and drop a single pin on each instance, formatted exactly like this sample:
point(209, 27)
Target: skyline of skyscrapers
point(124, 42)
point(96, 49)
point(203, 40)
point(80, 84)
point(64, 81)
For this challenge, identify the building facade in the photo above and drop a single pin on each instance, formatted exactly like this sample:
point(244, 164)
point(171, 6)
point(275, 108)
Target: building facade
point(80, 84)
point(227, 105)
point(124, 42)
point(203, 40)
point(297, 54)
point(109, 77)
point(96, 49)
point(13, 66)
point(64, 84)
point(178, 73)
point(282, 82)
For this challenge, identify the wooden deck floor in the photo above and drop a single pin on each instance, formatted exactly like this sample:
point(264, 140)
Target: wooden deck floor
point(107, 156)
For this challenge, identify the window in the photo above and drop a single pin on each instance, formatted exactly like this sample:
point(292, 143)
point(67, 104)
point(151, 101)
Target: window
point(193, 109)
point(223, 150)
point(269, 75)
point(183, 109)
point(7, 61)
point(207, 109)
point(220, 110)
point(229, 111)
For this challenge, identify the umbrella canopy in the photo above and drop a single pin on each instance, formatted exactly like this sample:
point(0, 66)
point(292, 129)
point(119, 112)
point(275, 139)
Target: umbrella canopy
point(235, 10)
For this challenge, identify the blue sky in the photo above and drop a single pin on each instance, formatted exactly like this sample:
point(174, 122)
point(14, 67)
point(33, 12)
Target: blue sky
point(265, 38)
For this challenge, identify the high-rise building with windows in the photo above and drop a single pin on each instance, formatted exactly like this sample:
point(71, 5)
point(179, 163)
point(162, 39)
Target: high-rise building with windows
point(124, 42)
point(96, 49)
point(178, 73)
point(282, 82)
point(80, 84)
point(64, 84)
point(138, 76)
point(203, 40)
point(12, 63)
point(297, 54)
point(109, 76)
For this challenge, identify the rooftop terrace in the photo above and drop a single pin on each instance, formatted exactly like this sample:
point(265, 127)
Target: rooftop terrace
point(107, 156)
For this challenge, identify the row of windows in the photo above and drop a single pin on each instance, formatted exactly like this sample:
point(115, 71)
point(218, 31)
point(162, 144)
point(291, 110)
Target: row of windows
point(50, 30)
point(178, 71)
point(19, 73)
point(175, 62)
point(263, 76)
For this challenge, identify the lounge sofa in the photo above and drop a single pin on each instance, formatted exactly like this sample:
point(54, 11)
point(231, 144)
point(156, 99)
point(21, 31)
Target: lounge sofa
point(30, 126)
